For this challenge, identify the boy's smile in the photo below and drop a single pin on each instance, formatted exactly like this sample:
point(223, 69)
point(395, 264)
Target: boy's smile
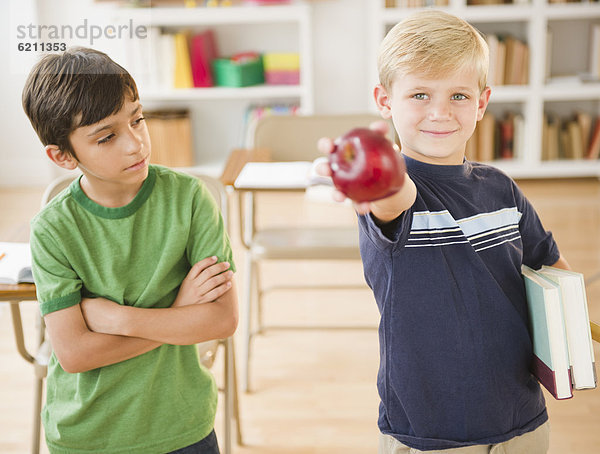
point(434, 118)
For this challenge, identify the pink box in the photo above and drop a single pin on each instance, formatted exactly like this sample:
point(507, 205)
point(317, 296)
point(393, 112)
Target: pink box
point(282, 77)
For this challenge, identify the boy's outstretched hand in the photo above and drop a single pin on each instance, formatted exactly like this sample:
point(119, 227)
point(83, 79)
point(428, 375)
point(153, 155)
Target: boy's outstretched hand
point(326, 146)
point(206, 281)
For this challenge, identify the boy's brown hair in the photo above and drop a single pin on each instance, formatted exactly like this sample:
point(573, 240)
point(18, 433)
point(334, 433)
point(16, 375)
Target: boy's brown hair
point(77, 88)
point(432, 43)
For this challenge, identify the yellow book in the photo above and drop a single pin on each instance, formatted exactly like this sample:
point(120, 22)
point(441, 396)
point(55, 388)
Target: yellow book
point(183, 67)
point(281, 61)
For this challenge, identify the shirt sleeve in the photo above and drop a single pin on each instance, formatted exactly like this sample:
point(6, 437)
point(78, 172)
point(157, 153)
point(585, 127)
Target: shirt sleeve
point(539, 247)
point(57, 284)
point(208, 235)
point(389, 235)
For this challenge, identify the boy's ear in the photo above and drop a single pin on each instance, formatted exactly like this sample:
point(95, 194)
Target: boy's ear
point(61, 158)
point(382, 99)
point(484, 98)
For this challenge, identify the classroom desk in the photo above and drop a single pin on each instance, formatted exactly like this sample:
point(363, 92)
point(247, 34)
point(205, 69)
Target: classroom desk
point(14, 294)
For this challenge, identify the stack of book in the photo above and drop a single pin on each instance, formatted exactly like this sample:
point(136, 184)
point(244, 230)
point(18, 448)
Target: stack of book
point(560, 329)
point(509, 60)
point(497, 138)
point(191, 60)
point(576, 137)
point(282, 68)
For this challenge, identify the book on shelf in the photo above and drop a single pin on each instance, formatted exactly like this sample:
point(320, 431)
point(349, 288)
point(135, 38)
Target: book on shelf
point(584, 119)
point(516, 61)
point(550, 363)
point(593, 150)
point(15, 263)
point(183, 69)
point(497, 137)
point(507, 136)
point(165, 56)
point(486, 137)
point(519, 136)
point(594, 57)
point(550, 138)
point(497, 59)
point(509, 60)
point(493, 43)
point(575, 139)
point(564, 143)
point(577, 325)
point(203, 51)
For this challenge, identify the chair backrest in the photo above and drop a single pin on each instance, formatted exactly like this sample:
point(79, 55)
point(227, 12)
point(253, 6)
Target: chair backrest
point(56, 186)
point(216, 189)
point(294, 137)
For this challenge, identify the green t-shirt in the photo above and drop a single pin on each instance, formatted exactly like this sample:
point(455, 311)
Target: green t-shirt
point(136, 255)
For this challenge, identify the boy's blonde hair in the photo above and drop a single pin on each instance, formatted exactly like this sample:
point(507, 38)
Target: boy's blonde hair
point(432, 43)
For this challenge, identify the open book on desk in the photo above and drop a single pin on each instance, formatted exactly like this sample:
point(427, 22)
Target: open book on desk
point(15, 263)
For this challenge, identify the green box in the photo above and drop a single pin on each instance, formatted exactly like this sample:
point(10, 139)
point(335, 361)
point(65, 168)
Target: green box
point(228, 73)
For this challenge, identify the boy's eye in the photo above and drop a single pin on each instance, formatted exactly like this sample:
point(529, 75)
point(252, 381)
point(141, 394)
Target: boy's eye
point(458, 97)
point(106, 139)
point(139, 120)
point(420, 96)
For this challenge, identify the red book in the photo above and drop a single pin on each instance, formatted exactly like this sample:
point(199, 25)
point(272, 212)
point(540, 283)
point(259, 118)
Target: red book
point(594, 148)
point(507, 134)
point(203, 51)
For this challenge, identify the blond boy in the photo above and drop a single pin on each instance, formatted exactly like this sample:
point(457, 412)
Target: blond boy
point(443, 256)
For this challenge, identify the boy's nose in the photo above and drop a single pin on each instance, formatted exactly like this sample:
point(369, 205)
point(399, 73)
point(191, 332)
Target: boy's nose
point(135, 143)
point(440, 111)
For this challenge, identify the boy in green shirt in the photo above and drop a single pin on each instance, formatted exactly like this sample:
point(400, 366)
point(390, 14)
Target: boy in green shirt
point(132, 266)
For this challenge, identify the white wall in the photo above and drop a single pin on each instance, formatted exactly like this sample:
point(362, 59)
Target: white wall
point(340, 85)
point(21, 154)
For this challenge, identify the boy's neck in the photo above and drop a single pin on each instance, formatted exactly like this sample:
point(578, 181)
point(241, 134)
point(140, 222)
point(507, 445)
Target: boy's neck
point(109, 195)
point(454, 159)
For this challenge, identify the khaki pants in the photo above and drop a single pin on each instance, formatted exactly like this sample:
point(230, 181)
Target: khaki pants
point(536, 442)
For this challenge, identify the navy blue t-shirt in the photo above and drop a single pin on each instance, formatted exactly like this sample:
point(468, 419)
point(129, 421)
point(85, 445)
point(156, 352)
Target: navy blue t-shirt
point(454, 344)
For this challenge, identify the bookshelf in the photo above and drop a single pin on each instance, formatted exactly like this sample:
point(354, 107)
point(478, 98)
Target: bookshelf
point(218, 112)
point(558, 36)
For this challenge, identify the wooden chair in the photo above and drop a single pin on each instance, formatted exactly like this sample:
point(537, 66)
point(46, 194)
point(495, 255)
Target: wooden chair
point(290, 138)
point(207, 351)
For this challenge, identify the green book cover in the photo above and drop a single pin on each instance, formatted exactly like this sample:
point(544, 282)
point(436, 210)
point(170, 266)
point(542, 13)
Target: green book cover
point(550, 363)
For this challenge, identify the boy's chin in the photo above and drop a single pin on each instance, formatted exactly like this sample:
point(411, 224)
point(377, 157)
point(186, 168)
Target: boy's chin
point(437, 156)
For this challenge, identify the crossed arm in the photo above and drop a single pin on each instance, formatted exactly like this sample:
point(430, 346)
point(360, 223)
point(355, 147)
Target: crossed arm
point(99, 332)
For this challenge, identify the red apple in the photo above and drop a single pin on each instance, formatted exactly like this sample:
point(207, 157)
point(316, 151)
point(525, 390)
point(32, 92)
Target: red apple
point(365, 166)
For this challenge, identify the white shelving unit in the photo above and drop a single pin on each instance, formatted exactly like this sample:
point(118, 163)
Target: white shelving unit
point(293, 20)
point(532, 20)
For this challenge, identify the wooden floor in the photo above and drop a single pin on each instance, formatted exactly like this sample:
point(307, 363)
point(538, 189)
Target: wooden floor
point(314, 391)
